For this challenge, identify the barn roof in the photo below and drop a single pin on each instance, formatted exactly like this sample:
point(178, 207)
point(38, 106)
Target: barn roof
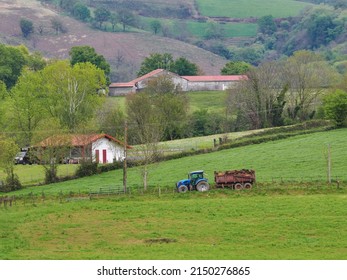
point(220, 78)
point(139, 79)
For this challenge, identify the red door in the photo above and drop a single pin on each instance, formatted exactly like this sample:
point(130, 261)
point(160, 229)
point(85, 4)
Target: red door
point(104, 156)
point(97, 156)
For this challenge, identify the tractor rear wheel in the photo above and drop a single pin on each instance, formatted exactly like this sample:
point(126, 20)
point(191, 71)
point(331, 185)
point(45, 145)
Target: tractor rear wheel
point(202, 186)
point(182, 189)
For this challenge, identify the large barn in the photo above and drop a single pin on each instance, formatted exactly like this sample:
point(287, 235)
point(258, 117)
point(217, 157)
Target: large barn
point(186, 83)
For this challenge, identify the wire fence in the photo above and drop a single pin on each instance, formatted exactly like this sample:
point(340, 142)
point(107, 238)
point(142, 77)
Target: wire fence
point(133, 191)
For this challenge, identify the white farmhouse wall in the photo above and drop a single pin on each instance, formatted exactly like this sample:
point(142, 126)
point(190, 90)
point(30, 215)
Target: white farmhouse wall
point(196, 86)
point(113, 150)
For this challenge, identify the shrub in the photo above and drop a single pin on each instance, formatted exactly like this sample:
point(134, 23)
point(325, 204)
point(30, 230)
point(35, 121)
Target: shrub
point(87, 168)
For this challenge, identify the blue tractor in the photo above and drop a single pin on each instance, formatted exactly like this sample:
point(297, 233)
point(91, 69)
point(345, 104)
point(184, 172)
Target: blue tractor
point(195, 181)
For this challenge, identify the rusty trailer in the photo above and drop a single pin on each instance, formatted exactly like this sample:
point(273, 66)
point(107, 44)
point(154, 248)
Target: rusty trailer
point(235, 179)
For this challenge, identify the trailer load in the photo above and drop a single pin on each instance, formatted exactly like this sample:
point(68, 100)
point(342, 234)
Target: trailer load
point(235, 179)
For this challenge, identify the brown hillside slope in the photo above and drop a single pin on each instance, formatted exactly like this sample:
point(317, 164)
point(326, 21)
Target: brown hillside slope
point(131, 47)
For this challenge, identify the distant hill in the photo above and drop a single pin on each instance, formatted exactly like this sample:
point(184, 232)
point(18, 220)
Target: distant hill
point(122, 50)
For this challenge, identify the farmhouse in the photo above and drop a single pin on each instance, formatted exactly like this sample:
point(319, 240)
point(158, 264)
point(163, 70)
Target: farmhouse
point(101, 148)
point(186, 83)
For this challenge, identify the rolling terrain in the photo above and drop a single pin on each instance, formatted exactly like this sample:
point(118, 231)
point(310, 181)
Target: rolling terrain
point(131, 48)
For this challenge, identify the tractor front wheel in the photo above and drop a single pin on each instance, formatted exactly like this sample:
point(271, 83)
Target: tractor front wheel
point(182, 189)
point(202, 186)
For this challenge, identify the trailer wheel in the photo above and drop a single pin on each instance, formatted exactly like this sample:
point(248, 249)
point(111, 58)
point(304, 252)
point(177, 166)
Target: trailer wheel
point(202, 186)
point(182, 189)
point(247, 185)
point(238, 186)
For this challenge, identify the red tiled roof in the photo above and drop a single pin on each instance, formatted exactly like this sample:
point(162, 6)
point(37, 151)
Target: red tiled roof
point(76, 140)
point(123, 85)
point(221, 78)
point(139, 79)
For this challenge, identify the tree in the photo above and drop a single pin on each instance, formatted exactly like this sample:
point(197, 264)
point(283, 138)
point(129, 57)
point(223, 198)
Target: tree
point(307, 75)
point(80, 54)
point(184, 67)
point(27, 27)
point(322, 29)
point(267, 25)
point(155, 26)
point(73, 92)
point(126, 18)
point(155, 61)
point(101, 15)
point(12, 62)
point(58, 26)
point(235, 68)
point(171, 105)
point(113, 21)
point(214, 31)
point(260, 98)
point(335, 107)
point(26, 106)
point(144, 129)
point(81, 11)
point(8, 150)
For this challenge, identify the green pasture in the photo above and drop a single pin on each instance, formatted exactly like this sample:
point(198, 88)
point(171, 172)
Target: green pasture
point(250, 8)
point(213, 100)
point(299, 158)
point(218, 225)
point(35, 174)
point(198, 29)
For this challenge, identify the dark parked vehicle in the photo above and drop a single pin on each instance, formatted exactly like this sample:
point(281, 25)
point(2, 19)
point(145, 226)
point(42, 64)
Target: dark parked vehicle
point(24, 157)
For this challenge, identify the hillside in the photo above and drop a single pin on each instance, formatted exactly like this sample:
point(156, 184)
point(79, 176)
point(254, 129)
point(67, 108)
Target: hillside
point(130, 48)
point(296, 159)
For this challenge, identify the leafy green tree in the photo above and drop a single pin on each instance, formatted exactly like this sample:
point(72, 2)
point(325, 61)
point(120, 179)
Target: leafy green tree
point(80, 54)
point(181, 66)
point(322, 29)
point(113, 21)
point(214, 31)
point(155, 26)
point(267, 25)
point(73, 92)
point(81, 11)
point(235, 68)
point(27, 27)
point(156, 61)
point(126, 18)
point(8, 150)
point(26, 106)
point(184, 67)
point(335, 107)
point(12, 62)
point(101, 15)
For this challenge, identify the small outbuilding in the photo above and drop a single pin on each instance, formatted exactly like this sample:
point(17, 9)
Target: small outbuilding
point(101, 148)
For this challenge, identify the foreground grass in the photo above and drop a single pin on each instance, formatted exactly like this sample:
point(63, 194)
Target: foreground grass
point(214, 225)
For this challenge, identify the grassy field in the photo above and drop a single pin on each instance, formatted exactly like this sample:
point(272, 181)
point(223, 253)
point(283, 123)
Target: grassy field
point(250, 8)
point(198, 29)
point(213, 100)
point(299, 158)
point(214, 225)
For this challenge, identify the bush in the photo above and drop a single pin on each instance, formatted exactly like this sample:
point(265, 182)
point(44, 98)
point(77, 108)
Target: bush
point(11, 183)
point(87, 168)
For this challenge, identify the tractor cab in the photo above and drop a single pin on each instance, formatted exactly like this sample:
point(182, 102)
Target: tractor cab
point(195, 181)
